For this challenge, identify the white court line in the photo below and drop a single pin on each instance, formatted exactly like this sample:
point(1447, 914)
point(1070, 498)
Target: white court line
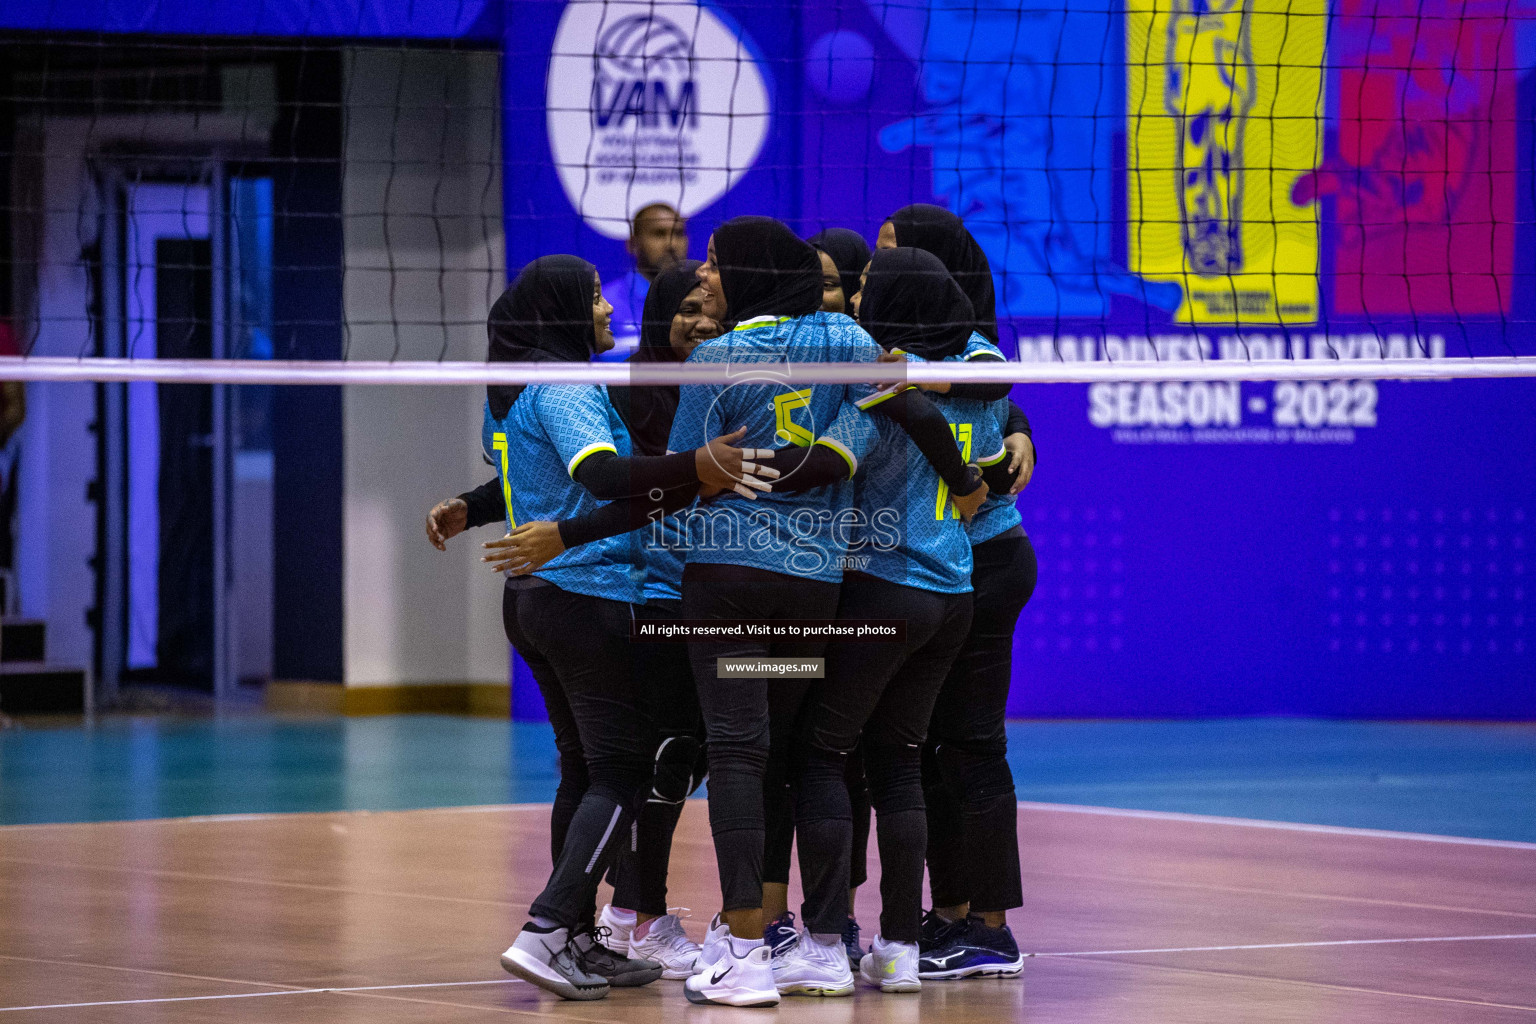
point(1286, 826)
point(1296, 945)
point(254, 995)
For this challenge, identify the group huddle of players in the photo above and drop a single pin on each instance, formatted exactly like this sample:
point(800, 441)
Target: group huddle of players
point(756, 501)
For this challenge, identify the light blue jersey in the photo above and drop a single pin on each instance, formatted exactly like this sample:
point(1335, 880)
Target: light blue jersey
point(804, 534)
point(536, 449)
point(664, 543)
point(930, 548)
point(1000, 512)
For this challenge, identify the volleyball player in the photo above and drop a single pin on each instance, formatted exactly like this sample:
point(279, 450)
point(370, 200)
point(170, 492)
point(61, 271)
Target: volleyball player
point(758, 561)
point(886, 691)
point(973, 848)
point(843, 254)
point(570, 450)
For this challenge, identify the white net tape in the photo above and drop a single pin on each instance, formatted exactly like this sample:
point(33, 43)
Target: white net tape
point(251, 371)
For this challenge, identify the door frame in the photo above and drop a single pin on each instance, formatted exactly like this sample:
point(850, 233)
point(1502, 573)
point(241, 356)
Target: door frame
point(112, 174)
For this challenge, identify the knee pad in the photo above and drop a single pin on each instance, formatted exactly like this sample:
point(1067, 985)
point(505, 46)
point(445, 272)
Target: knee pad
point(677, 771)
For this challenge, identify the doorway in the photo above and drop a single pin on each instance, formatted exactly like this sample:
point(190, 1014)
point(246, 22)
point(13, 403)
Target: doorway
point(186, 469)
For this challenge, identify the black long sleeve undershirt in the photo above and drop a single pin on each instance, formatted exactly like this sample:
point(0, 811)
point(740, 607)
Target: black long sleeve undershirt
point(485, 503)
point(1018, 423)
point(997, 477)
point(624, 515)
point(610, 477)
point(981, 392)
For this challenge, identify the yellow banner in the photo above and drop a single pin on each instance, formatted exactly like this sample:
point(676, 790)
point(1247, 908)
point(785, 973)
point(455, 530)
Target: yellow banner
point(1224, 115)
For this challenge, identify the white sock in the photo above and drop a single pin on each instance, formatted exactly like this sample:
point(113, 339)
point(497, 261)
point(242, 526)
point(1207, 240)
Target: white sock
point(544, 922)
point(621, 915)
point(741, 947)
point(828, 938)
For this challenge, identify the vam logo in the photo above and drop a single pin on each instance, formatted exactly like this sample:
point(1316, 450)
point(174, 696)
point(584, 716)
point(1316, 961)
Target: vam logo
point(651, 101)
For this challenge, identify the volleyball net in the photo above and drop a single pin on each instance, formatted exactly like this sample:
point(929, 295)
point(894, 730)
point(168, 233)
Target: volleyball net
point(1261, 181)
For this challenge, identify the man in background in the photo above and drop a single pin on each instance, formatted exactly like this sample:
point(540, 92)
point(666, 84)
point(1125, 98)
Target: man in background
point(658, 238)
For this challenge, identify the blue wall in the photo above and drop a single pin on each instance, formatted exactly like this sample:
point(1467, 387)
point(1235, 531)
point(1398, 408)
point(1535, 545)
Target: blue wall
point(1364, 552)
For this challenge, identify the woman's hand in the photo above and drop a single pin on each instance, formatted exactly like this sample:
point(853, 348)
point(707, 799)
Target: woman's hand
point(527, 548)
point(1021, 460)
point(446, 520)
point(967, 504)
point(724, 467)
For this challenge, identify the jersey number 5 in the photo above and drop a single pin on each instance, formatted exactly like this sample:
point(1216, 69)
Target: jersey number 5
point(784, 424)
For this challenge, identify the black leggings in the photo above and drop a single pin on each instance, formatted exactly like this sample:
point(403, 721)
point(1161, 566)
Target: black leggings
point(671, 702)
point(886, 692)
point(779, 809)
point(579, 652)
point(973, 842)
point(737, 711)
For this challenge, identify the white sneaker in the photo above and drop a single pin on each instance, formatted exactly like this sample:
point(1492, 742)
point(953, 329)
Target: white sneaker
point(667, 944)
point(891, 966)
point(736, 980)
point(545, 957)
point(618, 928)
point(812, 969)
point(717, 943)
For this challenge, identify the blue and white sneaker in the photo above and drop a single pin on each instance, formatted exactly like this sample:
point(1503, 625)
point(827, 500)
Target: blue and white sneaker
point(976, 952)
point(780, 935)
point(851, 944)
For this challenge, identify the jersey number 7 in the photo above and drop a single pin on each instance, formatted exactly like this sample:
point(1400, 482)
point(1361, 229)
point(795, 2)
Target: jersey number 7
point(499, 443)
point(962, 432)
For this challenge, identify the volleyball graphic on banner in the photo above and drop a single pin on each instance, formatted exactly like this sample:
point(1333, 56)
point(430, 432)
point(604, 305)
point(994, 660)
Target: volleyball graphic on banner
point(1216, 92)
point(654, 102)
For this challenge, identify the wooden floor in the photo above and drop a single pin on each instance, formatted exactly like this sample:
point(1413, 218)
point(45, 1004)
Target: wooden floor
point(399, 916)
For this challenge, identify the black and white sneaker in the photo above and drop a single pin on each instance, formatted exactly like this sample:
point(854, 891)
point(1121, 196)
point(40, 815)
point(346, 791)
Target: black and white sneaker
point(547, 958)
point(595, 957)
point(936, 932)
point(977, 952)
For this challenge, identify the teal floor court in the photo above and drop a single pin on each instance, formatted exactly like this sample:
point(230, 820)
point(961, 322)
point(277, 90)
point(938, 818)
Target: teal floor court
point(1469, 780)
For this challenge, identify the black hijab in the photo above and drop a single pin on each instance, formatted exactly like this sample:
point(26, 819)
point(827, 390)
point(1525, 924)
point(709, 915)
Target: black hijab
point(911, 302)
point(765, 270)
point(648, 409)
point(935, 229)
point(544, 316)
point(849, 254)
point(667, 293)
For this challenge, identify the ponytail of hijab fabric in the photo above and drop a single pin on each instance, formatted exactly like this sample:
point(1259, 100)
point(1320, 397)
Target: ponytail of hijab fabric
point(936, 230)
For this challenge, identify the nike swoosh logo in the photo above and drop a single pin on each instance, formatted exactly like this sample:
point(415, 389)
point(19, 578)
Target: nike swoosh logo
point(720, 974)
